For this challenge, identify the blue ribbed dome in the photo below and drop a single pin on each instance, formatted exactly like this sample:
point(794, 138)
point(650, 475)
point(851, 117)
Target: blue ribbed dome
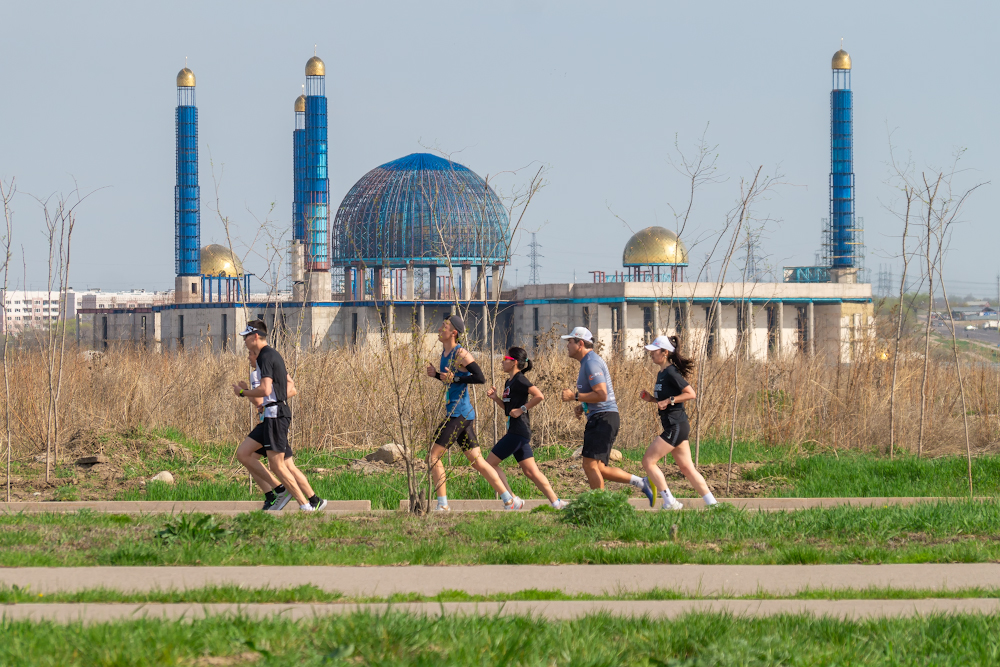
point(424, 209)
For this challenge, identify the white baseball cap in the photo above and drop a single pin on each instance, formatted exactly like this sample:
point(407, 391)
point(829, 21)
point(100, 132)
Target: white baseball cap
point(582, 333)
point(661, 343)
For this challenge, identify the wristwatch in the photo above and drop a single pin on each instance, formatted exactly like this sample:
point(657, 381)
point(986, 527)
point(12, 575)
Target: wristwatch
point(672, 400)
point(576, 396)
point(524, 408)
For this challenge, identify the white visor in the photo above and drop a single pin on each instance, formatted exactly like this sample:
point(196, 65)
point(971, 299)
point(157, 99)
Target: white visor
point(581, 333)
point(250, 330)
point(661, 343)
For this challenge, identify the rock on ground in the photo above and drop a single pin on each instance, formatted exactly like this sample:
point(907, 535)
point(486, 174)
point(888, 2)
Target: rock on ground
point(389, 453)
point(163, 476)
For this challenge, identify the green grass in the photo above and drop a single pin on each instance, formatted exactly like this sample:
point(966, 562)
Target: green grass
point(309, 593)
point(854, 474)
point(788, 471)
point(694, 640)
point(961, 531)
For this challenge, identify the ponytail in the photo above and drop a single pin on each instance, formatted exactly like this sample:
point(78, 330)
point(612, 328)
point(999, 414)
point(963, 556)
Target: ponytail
point(520, 356)
point(684, 365)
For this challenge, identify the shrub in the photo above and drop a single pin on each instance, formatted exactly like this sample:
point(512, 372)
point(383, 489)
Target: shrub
point(191, 528)
point(598, 508)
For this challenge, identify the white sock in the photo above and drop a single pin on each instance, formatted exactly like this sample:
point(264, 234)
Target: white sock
point(668, 497)
point(306, 508)
point(442, 501)
point(506, 497)
point(636, 482)
point(709, 499)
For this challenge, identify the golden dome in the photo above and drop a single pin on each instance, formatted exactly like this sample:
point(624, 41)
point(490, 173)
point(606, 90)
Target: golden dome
point(185, 78)
point(300, 104)
point(842, 60)
point(654, 246)
point(315, 67)
point(216, 260)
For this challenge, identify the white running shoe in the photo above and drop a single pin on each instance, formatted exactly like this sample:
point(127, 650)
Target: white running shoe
point(307, 508)
point(515, 504)
point(559, 504)
point(676, 505)
point(442, 508)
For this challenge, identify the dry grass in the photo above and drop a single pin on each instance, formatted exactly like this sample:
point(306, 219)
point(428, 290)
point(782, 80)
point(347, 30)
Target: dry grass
point(363, 398)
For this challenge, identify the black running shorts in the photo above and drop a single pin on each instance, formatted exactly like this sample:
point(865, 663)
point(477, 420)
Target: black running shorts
point(599, 435)
point(272, 434)
point(514, 444)
point(676, 428)
point(457, 430)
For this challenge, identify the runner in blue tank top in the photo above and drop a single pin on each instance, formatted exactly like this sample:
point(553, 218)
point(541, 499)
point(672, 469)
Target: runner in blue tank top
point(458, 370)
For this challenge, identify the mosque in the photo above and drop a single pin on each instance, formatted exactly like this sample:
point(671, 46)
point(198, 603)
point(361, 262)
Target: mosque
point(421, 236)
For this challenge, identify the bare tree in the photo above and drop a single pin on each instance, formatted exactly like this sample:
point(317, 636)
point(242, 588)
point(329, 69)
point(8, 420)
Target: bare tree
point(60, 221)
point(7, 195)
point(929, 195)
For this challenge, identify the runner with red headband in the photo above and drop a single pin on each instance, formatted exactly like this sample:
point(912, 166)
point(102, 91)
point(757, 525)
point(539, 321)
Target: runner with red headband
point(519, 396)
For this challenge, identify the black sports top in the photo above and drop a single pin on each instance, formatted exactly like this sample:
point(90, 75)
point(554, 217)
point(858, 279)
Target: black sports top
point(515, 395)
point(271, 365)
point(670, 382)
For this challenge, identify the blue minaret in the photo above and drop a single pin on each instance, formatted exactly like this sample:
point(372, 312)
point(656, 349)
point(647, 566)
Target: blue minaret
point(316, 184)
point(299, 170)
point(187, 194)
point(844, 246)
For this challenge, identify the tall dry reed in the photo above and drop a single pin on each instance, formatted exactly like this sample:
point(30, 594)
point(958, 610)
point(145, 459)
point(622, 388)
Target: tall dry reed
point(345, 400)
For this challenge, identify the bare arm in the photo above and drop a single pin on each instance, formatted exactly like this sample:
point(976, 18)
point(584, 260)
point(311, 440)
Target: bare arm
point(260, 392)
point(597, 394)
point(686, 395)
point(534, 398)
point(290, 389)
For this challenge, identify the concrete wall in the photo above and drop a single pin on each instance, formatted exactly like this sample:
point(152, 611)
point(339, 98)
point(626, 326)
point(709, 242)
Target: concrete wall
point(843, 318)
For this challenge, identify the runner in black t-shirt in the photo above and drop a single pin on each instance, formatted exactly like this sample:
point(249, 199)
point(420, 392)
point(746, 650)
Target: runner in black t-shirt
point(671, 392)
point(519, 396)
point(272, 432)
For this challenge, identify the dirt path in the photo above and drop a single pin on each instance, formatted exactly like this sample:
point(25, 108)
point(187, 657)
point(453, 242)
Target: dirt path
point(554, 610)
point(706, 580)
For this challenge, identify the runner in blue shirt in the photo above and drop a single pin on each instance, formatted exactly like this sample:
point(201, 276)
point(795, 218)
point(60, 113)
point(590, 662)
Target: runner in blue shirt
point(457, 371)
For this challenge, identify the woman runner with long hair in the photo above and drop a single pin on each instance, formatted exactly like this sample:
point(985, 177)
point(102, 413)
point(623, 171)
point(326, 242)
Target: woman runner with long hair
point(670, 394)
point(519, 396)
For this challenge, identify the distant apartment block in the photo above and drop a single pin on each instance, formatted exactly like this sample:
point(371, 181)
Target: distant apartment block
point(34, 309)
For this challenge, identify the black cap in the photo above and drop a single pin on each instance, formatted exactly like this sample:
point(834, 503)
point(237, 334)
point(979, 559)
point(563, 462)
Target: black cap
point(457, 322)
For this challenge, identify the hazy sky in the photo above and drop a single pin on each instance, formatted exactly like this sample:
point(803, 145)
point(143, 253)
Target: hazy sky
point(595, 92)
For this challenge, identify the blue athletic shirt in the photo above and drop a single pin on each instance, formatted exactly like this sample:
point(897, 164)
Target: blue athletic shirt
point(593, 371)
point(458, 403)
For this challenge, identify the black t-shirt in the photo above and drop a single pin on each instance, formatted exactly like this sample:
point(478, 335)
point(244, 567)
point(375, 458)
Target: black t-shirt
point(271, 365)
point(670, 382)
point(515, 395)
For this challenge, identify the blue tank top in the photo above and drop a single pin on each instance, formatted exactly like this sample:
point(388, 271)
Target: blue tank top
point(458, 403)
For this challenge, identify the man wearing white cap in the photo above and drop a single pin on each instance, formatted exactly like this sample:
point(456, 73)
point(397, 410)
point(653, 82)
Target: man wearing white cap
point(670, 394)
point(596, 395)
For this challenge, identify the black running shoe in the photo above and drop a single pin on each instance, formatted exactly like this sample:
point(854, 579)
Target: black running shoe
point(320, 505)
point(268, 504)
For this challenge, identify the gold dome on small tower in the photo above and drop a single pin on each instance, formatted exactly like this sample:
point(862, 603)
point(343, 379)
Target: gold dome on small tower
point(300, 104)
point(217, 260)
point(315, 67)
point(842, 60)
point(655, 246)
point(185, 78)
